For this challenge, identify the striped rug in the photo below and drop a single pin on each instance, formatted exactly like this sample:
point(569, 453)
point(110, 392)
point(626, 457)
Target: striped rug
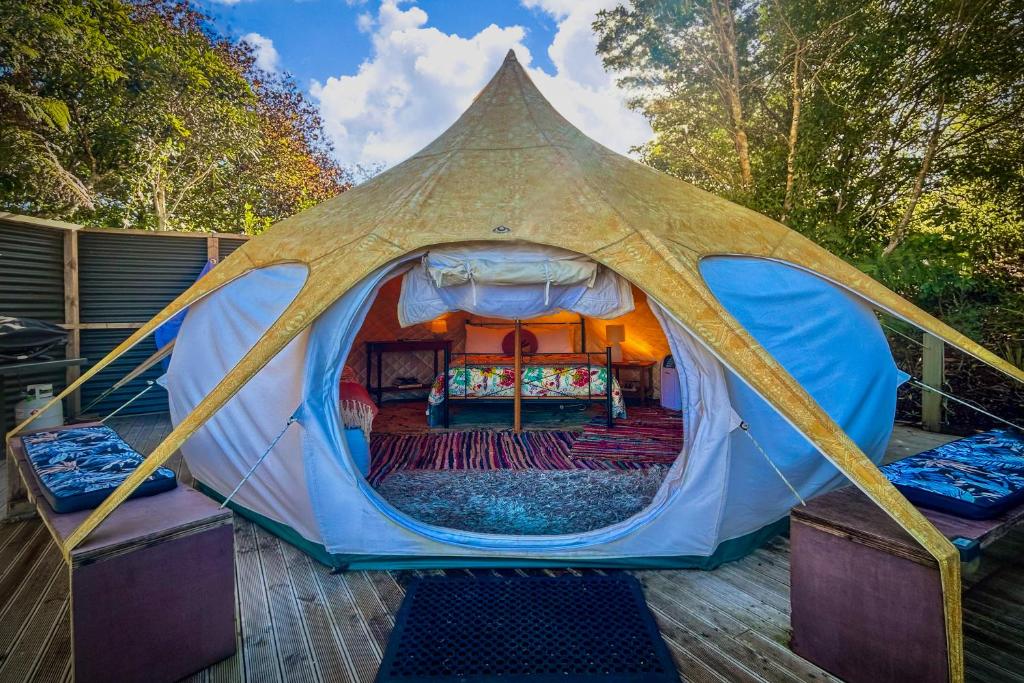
point(649, 435)
point(481, 450)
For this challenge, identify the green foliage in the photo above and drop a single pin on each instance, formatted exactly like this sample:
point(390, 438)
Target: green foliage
point(892, 133)
point(136, 114)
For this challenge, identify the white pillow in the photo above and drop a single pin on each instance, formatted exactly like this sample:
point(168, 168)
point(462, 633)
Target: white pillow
point(485, 339)
point(553, 339)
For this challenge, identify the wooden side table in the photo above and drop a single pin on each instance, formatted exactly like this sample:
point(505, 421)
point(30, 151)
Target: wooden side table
point(645, 368)
point(375, 367)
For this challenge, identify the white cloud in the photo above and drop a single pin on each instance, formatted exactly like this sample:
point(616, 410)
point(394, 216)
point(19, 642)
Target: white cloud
point(267, 57)
point(365, 22)
point(419, 79)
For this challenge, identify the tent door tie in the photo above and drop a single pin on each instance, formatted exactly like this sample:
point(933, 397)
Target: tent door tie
point(547, 283)
point(259, 462)
point(746, 430)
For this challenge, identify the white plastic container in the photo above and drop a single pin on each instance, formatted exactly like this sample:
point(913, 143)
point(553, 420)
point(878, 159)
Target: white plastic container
point(671, 397)
point(38, 395)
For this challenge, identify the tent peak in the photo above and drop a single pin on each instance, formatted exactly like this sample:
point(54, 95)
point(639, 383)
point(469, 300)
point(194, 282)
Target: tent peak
point(509, 112)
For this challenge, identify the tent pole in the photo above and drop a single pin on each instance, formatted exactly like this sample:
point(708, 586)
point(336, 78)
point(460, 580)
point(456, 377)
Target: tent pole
point(517, 408)
point(143, 366)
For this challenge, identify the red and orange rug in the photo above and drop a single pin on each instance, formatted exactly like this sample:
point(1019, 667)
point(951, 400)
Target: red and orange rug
point(649, 436)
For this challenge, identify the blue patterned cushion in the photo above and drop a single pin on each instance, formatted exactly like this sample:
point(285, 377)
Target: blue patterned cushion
point(78, 467)
point(978, 477)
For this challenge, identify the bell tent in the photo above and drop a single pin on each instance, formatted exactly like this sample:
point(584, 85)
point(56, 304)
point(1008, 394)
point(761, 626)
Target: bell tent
point(776, 341)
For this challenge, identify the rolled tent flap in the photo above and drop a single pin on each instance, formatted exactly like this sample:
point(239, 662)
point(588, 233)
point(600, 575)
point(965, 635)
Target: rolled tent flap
point(510, 280)
point(522, 264)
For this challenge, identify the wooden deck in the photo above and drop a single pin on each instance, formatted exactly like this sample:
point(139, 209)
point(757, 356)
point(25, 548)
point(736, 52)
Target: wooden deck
point(299, 622)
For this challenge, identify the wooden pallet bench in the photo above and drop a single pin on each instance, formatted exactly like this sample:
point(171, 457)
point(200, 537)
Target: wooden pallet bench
point(865, 596)
point(152, 588)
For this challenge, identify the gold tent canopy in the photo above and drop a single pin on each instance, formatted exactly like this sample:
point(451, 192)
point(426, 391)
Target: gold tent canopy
point(512, 168)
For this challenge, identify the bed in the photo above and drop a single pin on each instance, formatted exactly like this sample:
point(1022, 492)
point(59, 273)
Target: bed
point(557, 375)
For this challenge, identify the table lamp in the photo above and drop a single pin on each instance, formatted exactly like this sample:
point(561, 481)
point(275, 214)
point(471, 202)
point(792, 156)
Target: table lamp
point(615, 335)
point(439, 327)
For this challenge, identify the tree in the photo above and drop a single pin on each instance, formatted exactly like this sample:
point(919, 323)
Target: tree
point(850, 113)
point(693, 55)
point(167, 124)
point(889, 131)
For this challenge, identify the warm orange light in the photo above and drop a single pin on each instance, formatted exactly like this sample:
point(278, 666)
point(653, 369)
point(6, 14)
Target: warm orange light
point(439, 326)
point(615, 333)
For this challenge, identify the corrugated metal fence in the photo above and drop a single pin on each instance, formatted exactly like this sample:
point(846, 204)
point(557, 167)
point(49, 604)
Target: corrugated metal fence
point(101, 285)
point(31, 286)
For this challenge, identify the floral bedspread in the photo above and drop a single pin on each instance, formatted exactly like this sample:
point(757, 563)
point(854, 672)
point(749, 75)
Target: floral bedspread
point(537, 381)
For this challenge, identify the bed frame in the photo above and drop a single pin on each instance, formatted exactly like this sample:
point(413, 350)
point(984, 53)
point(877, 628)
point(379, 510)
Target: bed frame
point(604, 360)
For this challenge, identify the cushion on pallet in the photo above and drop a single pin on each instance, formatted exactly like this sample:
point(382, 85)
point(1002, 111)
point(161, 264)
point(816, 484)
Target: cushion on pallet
point(978, 477)
point(78, 467)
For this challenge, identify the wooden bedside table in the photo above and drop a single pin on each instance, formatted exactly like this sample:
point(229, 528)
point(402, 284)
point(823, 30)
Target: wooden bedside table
point(375, 366)
point(645, 368)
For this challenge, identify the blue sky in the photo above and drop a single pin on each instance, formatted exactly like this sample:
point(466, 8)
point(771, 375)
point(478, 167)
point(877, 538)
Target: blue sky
point(390, 75)
point(320, 38)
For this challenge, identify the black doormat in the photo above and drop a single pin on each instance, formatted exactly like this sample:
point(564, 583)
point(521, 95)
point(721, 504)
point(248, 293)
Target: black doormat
point(526, 629)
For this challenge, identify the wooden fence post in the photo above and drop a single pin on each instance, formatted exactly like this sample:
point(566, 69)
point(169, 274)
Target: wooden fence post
point(71, 316)
point(213, 248)
point(934, 375)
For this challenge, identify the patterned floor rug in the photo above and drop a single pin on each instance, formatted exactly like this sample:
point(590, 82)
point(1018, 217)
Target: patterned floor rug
point(482, 450)
point(651, 435)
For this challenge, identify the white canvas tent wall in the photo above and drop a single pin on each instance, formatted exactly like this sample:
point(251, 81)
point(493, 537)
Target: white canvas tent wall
point(512, 168)
point(719, 500)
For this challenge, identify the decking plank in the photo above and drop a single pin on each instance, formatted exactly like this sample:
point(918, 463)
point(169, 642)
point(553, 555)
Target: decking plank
point(293, 650)
point(758, 586)
point(26, 533)
point(259, 645)
point(331, 665)
point(378, 619)
point(24, 599)
point(978, 670)
point(55, 659)
point(19, 662)
point(353, 632)
point(20, 564)
point(700, 647)
point(8, 530)
point(721, 639)
point(740, 604)
point(774, 654)
point(990, 661)
point(387, 589)
point(691, 669)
